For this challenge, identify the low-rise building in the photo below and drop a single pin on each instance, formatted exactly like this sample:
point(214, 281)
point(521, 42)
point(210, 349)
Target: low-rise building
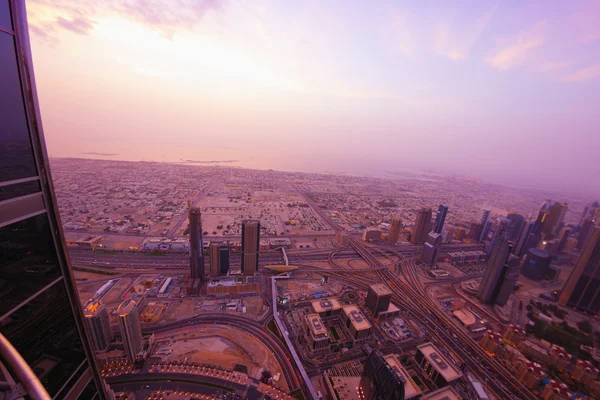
point(436, 366)
point(585, 372)
point(358, 325)
point(326, 307)
point(466, 317)
point(445, 393)
point(514, 334)
point(317, 334)
point(233, 285)
point(491, 342)
point(370, 234)
point(530, 374)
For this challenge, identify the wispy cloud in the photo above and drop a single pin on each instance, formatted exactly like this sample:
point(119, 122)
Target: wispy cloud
point(585, 74)
point(457, 46)
point(513, 52)
point(553, 66)
point(79, 25)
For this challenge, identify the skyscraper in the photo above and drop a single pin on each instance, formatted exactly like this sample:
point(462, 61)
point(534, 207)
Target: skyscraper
point(219, 258)
point(440, 218)
point(515, 226)
point(540, 221)
point(497, 264)
point(395, 229)
point(554, 219)
point(381, 380)
point(585, 232)
point(40, 313)
point(196, 245)
point(131, 330)
point(422, 226)
point(250, 246)
point(582, 288)
point(96, 317)
point(537, 266)
point(485, 216)
point(378, 298)
point(431, 249)
point(524, 239)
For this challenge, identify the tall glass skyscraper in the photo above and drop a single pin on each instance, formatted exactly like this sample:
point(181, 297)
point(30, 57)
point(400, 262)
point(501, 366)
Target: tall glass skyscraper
point(40, 313)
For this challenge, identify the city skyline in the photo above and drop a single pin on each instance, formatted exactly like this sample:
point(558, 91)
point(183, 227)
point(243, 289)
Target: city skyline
point(498, 92)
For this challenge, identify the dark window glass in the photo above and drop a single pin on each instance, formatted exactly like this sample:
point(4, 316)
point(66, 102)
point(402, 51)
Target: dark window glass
point(27, 260)
point(16, 155)
point(5, 15)
point(89, 392)
point(19, 189)
point(43, 331)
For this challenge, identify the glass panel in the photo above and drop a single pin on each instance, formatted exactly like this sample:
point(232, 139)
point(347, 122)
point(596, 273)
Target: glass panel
point(19, 189)
point(5, 21)
point(27, 260)
point(16, 155)
point(43, 331)
point(89, 392)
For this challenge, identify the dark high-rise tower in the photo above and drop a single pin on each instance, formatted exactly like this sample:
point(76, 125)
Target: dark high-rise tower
point(131, 331)
point(381, 380)
point(554, 219)
point(440, 218)
point(515, 226)
point(585, 232)
point(497, 265)
point(219, 258)
point(250, 246)
point(582, 288)
point(485, 216)
point(40, 312)
point(196, 245)
point(96, 317)
point(395, 229)
point(524, 239)
point(422, 226)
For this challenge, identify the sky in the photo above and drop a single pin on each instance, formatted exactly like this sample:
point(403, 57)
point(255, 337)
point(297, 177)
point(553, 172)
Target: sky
point(504, 91)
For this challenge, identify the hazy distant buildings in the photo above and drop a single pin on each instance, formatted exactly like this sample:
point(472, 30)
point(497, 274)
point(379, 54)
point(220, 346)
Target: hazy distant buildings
point(537, 266)
point(498, 266)
point(582, 288)
point(97, 320)
point(131, 331)
point(431, 248)
point(382, 378)
point(422, 226)
point(196, 245)
point(218, 253)
point(378, 298)
point(395, 228)
point(440, 218)
point(250, 246)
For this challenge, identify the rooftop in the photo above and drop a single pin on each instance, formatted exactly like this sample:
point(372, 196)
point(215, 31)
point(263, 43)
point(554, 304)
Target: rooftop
point(439, 362)
point(93, 308)
point(445, 393)
point(359, 321)
point(322, 305)
point(126, 307)
point(410, 387)
point(380, 289)
point(316, 325)
point(466, 317)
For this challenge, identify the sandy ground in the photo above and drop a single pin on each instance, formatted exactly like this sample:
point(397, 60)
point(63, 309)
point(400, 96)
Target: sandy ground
point(222, 346)
point(253, 304)
point(179, 310)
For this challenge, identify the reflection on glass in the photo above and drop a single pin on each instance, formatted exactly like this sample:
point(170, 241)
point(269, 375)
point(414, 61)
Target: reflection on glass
point(16, 156)
point(19, 189)
point(5, 15)
point(43, 331)
point(27, 260)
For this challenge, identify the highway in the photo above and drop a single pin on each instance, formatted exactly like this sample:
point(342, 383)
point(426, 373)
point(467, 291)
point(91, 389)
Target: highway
point(411, 297)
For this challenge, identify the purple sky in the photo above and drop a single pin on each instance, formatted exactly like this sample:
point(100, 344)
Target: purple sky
point(503, 91)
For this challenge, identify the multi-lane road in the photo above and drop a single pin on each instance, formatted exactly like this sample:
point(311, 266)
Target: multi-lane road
point(411, 297)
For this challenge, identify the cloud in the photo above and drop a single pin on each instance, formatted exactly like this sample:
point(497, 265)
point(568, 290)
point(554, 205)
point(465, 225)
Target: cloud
point(167, 17)
point(457, 46)
point(513, 52)
point(79, 25)
point(585, 74)
point(401, 34)
point(553, 66)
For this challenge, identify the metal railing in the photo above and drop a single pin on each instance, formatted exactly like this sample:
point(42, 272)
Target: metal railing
point(11, 358)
